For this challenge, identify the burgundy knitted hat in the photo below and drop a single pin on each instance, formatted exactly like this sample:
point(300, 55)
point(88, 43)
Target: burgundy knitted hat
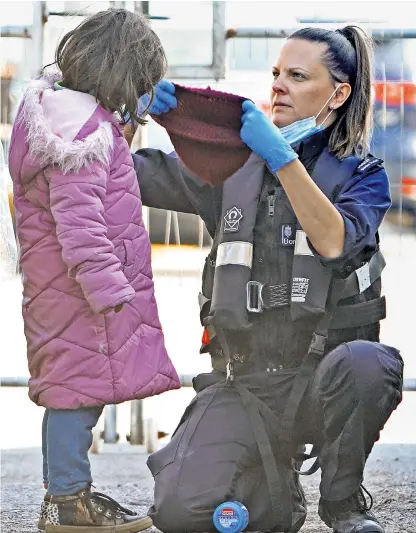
point(205, 130)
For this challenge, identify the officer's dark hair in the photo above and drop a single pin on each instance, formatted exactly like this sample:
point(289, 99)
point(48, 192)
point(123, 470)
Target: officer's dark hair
point(349, 59)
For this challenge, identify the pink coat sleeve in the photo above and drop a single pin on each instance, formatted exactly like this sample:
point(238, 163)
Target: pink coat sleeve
point(76, 201)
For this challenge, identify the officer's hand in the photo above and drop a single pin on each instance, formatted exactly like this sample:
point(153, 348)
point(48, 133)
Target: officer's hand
point(264, 138)
point(164, 100)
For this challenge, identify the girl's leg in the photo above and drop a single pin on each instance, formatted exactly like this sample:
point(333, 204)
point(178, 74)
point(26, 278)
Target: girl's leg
point(44, 506)
point(72, 505)
point(45, 448)
point(69, 437)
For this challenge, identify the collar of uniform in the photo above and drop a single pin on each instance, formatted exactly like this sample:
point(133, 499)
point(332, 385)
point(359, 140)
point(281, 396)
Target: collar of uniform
point(313, 145)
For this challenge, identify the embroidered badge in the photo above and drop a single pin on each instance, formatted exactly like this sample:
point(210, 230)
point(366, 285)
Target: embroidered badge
point(232, 220)
point(287, 234)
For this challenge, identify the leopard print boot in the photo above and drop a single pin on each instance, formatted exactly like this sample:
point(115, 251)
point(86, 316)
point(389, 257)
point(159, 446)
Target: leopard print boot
point(44, 511)
point(91, 512)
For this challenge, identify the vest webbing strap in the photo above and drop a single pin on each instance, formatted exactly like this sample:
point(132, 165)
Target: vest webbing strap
point(361, 314)
point(340, 290)
point(350, 286)
point(307, 369)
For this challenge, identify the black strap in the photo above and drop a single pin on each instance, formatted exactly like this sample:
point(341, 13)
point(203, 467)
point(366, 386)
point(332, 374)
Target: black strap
point(301, 457)
point(345, 316)
point(340, 290)
point(300, 384)
point(314, 468)
point(276, 471)
point(306, 371)
point(361, 314)
point(350, 286)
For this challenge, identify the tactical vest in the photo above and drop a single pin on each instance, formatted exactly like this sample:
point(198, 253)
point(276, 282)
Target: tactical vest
point(297, 311)
point(289, 291)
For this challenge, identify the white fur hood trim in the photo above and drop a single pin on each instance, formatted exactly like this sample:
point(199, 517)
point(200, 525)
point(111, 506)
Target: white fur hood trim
point(69, 156)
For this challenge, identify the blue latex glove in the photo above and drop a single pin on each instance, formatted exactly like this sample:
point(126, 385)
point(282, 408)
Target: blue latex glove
point(164, 99)
point(264, 138)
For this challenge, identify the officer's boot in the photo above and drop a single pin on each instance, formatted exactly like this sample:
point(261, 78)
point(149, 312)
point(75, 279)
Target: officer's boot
point(351, 515)
point(91, 512)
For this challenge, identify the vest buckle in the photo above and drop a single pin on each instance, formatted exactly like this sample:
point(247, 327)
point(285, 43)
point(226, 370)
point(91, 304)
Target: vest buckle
point(230, 374)
point(317, 345)
point(254, 293)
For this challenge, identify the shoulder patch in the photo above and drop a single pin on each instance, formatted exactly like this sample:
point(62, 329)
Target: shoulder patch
point(368, 162)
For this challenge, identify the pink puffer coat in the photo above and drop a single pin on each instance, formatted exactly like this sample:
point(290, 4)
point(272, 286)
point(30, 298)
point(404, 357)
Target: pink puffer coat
point(84, 250)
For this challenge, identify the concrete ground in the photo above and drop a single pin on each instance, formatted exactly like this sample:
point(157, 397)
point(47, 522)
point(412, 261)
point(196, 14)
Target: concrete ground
point(120, 471)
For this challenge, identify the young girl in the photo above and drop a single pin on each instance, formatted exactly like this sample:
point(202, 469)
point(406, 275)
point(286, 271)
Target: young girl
point(91, 321)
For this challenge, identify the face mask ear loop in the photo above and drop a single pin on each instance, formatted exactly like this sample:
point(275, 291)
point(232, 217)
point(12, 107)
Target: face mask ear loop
point(323, 107)
point(326, 118)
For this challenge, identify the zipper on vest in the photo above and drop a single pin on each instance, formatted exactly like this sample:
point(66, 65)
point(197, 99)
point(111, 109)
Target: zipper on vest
point(271, 200)
point(273, 222)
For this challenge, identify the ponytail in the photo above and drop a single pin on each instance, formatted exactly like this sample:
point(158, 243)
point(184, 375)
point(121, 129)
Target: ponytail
point(354, 127)
point(349, 59)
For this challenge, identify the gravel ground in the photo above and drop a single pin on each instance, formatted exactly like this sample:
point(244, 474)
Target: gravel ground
point(120, 471)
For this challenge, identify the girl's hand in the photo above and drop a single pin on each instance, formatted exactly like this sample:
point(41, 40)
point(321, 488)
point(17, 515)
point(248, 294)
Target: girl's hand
point(116, 309)
point(264, 138)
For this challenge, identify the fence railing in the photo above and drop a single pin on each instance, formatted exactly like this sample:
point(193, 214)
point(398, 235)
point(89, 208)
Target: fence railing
point(140, 433)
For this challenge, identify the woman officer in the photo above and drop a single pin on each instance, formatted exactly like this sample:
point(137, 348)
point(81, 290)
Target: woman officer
point(318, 183)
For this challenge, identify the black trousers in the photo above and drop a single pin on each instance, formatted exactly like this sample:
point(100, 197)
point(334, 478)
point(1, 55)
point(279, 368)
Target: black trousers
point(355, 389)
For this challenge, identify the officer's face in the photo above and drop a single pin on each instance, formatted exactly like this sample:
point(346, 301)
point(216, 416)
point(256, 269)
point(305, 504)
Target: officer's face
point(301, 84)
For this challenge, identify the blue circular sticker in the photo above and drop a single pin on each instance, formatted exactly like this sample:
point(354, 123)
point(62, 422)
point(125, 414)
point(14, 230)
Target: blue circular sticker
point(231, 517)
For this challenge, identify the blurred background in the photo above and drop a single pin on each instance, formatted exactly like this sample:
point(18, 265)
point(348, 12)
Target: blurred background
point(230, 46)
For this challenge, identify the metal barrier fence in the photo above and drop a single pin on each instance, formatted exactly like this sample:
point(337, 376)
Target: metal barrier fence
point(185, 379)
point(139, 434)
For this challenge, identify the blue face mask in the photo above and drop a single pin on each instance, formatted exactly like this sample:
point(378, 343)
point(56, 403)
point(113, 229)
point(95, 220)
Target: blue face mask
point(302, 129)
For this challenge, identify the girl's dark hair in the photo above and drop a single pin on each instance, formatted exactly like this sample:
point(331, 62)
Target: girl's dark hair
point(348, 58)
point(115, 56)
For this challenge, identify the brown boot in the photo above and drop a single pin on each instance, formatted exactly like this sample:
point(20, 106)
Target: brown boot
point(91, 512)
point(44, 511)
